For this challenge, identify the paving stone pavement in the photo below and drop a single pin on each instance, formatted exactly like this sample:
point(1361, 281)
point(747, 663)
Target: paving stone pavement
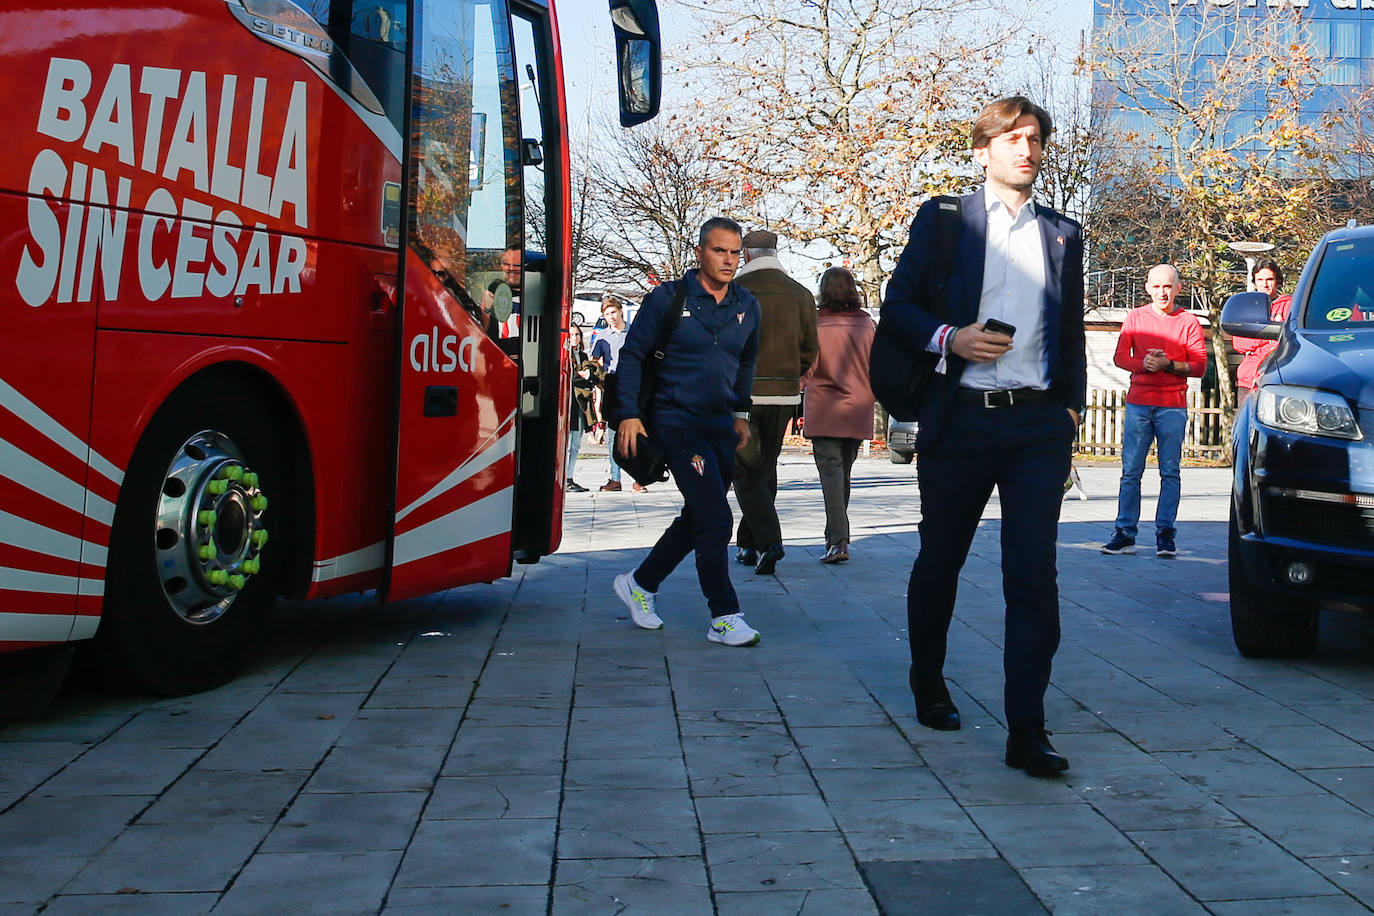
point(521, 748)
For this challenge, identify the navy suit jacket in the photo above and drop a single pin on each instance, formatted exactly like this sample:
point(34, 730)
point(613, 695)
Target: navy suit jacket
point(909, 310)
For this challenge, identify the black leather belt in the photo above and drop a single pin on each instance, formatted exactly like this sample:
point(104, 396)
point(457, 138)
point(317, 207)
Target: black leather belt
point(1005, 397)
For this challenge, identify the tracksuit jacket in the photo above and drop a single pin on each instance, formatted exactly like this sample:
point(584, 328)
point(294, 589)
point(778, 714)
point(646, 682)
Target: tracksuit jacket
point(708, 369)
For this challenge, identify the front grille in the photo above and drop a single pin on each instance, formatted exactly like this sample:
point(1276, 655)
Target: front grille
point(1318, 521)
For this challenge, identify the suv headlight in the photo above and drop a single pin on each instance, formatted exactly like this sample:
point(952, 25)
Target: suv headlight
point(1307, 410)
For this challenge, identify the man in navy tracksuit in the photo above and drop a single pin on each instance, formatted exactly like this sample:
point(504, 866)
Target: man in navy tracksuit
point(699, 417)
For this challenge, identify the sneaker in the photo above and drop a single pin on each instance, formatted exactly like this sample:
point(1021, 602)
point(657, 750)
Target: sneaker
point(640, 488)
point(1120, 543)
point(576, 487)
point(731, 630)
point(640, 602)
point(1164, 544)
point(611, 486)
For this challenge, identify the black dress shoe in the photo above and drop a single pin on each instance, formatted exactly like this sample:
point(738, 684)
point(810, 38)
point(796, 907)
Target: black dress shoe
point(747, 556)
point(768, 560)
point(939, 714)
point(1029, 749)
point(934, 708)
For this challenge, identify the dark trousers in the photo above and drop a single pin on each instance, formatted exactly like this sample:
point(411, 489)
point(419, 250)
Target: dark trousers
point(701, 463)
point(835, 462)
point(1025, 451)
point(756, 476)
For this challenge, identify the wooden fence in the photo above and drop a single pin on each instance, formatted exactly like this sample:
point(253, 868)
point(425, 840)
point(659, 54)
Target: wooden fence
point(1099, 433)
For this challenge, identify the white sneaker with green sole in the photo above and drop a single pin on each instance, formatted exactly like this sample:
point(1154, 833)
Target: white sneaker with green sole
point(640, 602)
point(731, 630)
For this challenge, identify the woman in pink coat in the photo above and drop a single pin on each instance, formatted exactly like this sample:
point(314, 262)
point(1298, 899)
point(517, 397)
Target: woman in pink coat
point(838, 412)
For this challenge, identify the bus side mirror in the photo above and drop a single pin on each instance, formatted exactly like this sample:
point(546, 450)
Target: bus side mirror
point(638, 60)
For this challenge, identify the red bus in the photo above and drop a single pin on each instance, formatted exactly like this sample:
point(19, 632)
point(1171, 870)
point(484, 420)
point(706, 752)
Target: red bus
point(257, 267)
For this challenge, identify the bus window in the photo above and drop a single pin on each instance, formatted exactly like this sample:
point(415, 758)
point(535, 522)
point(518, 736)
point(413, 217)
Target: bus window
point(372, 36)
point(465, 200)
point(531, 133)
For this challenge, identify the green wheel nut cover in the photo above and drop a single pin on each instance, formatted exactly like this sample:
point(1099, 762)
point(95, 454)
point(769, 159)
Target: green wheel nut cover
point(207, 517)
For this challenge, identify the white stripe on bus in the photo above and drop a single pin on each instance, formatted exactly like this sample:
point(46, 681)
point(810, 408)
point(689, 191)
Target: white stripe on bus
point(348, 564)
point(33, 415)
point(489, 454)
point(26, 580)
point(34, 475)
point(17, 531)
point(15, 627)
point(488, 516)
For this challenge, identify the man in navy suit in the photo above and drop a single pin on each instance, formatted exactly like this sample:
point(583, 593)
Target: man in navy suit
point(1002, 411)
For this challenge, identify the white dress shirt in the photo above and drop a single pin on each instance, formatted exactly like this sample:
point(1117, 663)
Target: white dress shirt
point(1014, 292)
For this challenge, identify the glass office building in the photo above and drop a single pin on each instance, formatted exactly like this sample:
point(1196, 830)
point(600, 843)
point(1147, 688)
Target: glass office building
point(1338, 34)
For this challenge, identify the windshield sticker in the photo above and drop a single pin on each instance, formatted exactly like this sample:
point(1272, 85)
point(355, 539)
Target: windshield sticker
point(1341, 314)
point(1340, 338)
point(391, 213)
point(1346, 247)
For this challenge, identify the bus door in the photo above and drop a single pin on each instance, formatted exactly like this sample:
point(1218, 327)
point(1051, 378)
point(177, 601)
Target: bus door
point(546, 287)
point(458, 408)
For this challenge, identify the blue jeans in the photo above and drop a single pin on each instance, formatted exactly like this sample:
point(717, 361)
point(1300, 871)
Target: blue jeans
point(574, 446)
point(1165, 427)
point(612, 468)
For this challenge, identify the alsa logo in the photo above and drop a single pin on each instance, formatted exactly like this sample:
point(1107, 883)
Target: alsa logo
point(223, 158)
point(432, 353)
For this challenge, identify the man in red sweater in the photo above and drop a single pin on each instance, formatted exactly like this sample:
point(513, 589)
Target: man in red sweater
point(1161, 345)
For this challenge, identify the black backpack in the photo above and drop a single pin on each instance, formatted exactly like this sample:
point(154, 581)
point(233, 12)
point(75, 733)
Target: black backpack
point(649, 464)
point(899, 375)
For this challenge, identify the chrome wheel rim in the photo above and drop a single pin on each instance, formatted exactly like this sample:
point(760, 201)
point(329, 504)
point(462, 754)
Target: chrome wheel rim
point(208, 532)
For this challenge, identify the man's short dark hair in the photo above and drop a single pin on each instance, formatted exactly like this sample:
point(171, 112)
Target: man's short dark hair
point(1000, 116)
point(718, 222)
point(1268, 264)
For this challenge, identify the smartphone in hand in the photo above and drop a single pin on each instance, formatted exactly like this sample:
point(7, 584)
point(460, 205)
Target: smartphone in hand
point(993, 326)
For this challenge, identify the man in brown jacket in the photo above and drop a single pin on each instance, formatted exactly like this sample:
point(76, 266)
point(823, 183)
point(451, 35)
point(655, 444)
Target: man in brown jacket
point(787, 348)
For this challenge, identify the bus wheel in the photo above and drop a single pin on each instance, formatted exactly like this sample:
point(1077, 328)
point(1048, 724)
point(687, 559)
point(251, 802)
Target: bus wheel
point(189, 580)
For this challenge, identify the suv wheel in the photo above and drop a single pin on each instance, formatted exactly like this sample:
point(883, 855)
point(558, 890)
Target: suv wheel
point(1265, 625)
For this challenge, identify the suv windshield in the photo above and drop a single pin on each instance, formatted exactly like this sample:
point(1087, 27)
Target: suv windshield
point(1342, 295)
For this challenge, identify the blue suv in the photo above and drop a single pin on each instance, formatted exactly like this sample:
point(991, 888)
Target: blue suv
point(1302, 502)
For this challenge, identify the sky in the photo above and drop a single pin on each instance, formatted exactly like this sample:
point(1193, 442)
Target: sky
point(588, 45)
point(588, 50)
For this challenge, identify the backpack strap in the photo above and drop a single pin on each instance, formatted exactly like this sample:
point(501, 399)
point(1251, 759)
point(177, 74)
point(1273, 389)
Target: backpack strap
point(670, 321)
point(949, 226)
point(653, 360)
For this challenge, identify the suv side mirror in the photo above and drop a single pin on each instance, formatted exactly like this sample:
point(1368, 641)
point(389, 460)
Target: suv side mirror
point(638, 63)
point(1247, 315)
